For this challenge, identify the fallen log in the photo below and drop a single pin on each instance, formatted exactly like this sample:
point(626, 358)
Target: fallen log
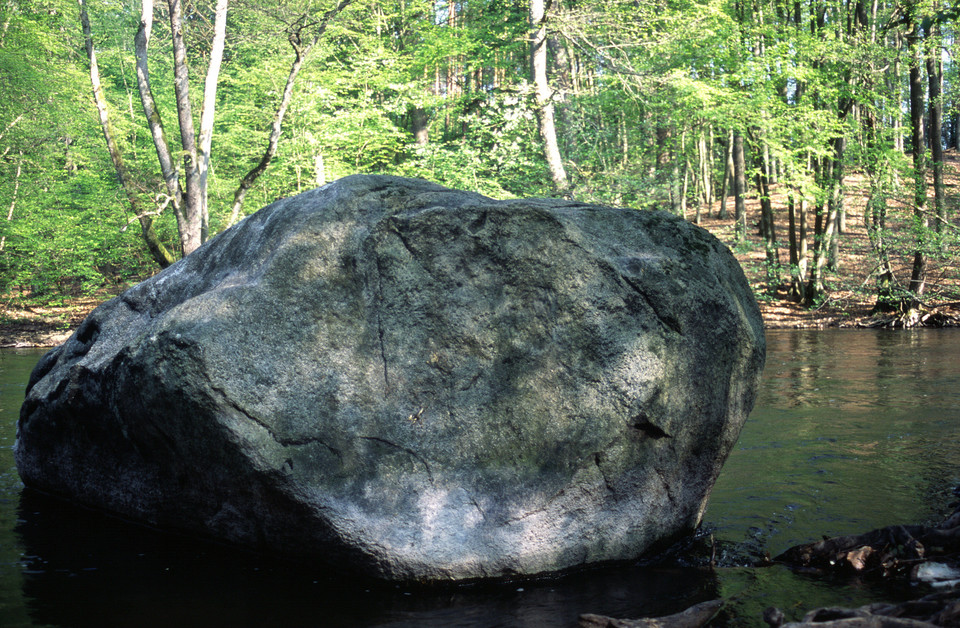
point(694, 617)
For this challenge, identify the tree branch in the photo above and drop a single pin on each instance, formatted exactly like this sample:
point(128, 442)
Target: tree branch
point(159, 252)
point(190, 233)
point(168, 167)
point(13, 199)
point(300, 56)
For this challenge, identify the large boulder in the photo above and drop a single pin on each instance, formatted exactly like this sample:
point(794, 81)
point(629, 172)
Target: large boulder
point(416, 382)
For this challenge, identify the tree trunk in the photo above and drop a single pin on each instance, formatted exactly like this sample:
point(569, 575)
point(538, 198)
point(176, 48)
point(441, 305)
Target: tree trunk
point(191, 232)
point(685, 188)
point(207, 114)
point(419, 126)
point(894, 81)
point(727, 173)
point(168, 167)
point(835, 201)
point(708, 175)
point(662, 158)
point(768, 227)
point(876, 219)
point(803, 247)
point(918, 276)
point(935, 108)
point(956, 128)
point(319, 171)
point(824, 232)
point(678, 201)
point(798, 246)
point(796, 281)
point(703, 152)
point(9, 126)
point(739, 188)
point(159, 252)
point(624, 142)
point(13, 197)
point(452, 66)
point(544, 97)
point(881, 175)
point(877, 231)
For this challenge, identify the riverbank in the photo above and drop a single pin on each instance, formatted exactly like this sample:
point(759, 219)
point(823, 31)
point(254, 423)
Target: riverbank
point(25, 325)
point(32, 325)
point(920, 558)
point(850, 285)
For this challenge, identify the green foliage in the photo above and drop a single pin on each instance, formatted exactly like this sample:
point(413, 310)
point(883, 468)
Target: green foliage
point(61, 221)
point(646, 95)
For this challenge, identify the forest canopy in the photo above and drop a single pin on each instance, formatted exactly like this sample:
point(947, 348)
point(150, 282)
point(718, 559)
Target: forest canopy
point(132, 132)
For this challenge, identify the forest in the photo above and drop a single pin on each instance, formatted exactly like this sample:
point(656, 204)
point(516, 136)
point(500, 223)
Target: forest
point(131, 133)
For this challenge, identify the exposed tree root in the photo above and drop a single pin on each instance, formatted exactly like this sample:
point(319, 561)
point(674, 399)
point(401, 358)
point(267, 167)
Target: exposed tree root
point(914, 316)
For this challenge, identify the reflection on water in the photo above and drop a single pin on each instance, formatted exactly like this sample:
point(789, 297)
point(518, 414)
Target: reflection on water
point(86, 569)
point(852, 431)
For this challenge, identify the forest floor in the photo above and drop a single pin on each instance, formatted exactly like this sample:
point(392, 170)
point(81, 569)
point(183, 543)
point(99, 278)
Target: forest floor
point(850, 300)
point(30, 325)
point(852, 287)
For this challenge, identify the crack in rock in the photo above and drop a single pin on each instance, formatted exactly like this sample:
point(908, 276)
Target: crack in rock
point(669, 322)
point(407, 450)
point(282, 441)
point(380, 332)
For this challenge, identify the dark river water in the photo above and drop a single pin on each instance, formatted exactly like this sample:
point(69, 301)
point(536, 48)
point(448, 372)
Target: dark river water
point(853, 430)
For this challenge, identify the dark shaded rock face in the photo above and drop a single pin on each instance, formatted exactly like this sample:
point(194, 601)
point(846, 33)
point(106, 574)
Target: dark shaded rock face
point(417, 382)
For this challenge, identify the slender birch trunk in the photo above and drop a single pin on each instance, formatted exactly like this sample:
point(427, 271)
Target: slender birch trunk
point(191, 232)
point(727, 174)
point(13, 198)
point(739, 188)
point(544, 97)
point(935, 116)
point(207, 113)
point(168, 167)
point(157, 250)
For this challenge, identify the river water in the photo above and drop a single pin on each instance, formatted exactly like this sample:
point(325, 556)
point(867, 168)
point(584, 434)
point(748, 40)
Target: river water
point(852, 430)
